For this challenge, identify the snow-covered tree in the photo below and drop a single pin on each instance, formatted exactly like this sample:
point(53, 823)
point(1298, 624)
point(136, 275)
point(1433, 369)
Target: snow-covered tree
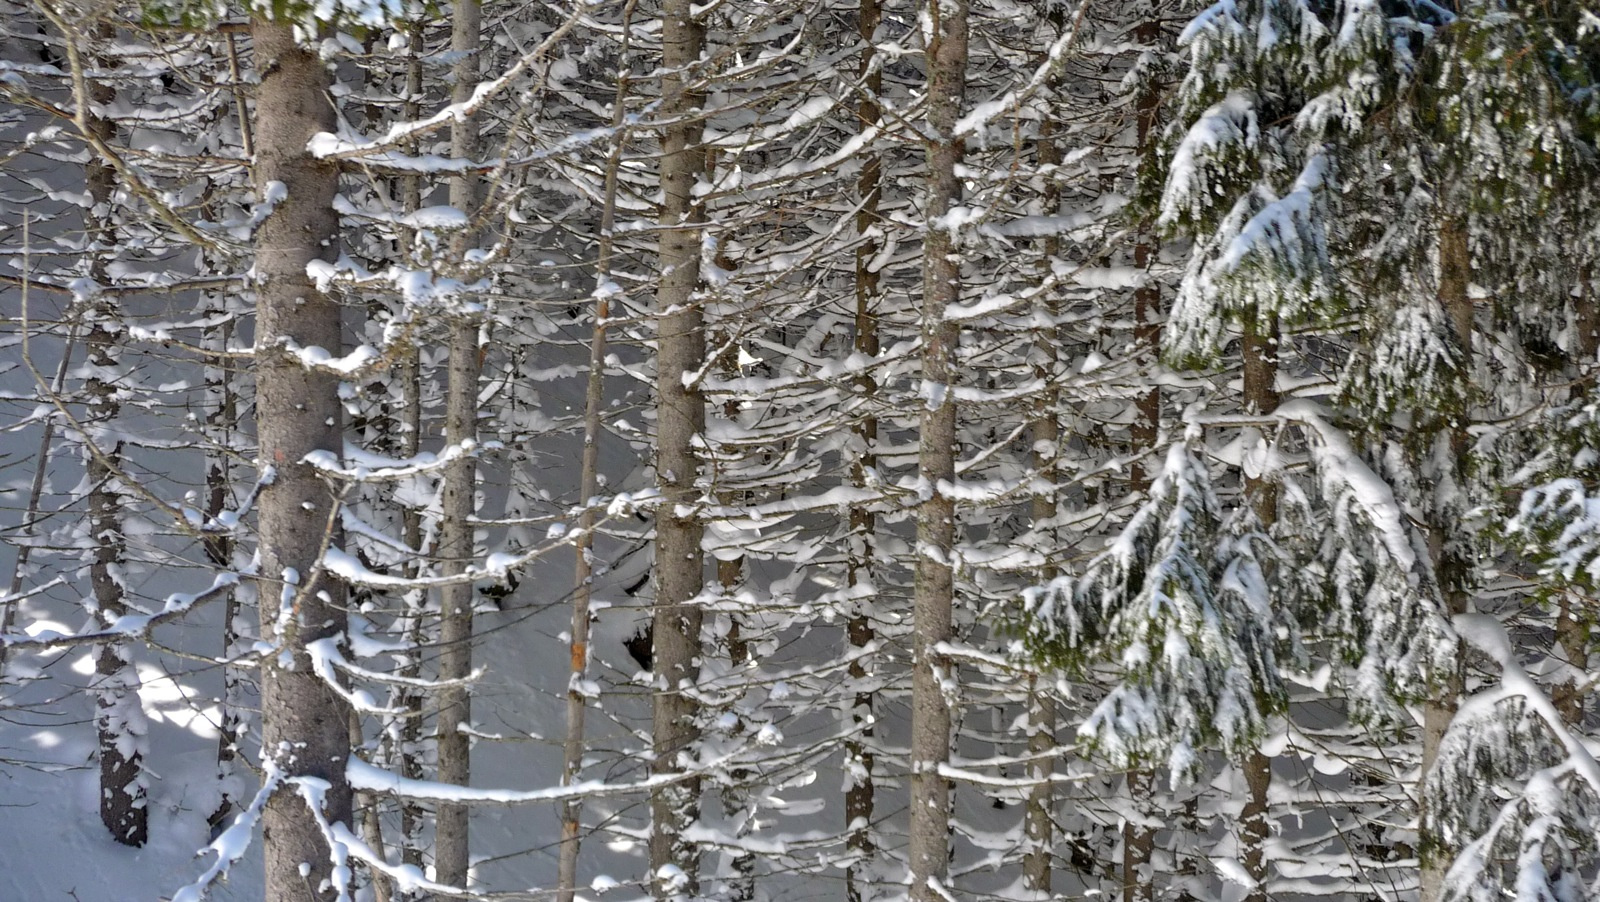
point(1261, 366)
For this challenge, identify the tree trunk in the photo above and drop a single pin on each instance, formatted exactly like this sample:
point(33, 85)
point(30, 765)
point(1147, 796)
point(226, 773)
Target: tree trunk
point(303, 719)
point(1573, 625)
point(1038, 825)
point(680, 418)
point(1138, 839)
point(120, 723)
point(221, 424)
point(455, 635)
point(933, 591)
point(407, 755)
point(588, 489)
point(119, 719)
point(1587, 321)
point(451, 853)
point(862, 550)
point(1450, 563)
point(1259, 351)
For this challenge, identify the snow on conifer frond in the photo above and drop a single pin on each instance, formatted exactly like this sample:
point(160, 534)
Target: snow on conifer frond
point(1560, 523)
point(1389, 622)
point(1283, 230)
point(1494, 742)
point(1208, 158)
point(1557, 521)
point(1261, 608)
point(1071, 618)
point(1268, 256)
point(1413, 364)
point(1509, 108)
point(1537, 846)
point(1275, 88)
point(1275, 37)
point(1194, 332)
point(1514, 799)
point(1169, 610)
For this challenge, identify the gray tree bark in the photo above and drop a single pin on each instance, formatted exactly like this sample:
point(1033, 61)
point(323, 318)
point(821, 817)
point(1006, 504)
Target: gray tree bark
point(120, 725)
point(1587, 320)
point(860, 788)
point(406, 754)
point(1574, 628)
point(222, 425)
point(933, 590)
point(1038, 826)
point(588, 489)
point(1259, 351)
point(303, 720)
point(680, 416)
point(452, 845)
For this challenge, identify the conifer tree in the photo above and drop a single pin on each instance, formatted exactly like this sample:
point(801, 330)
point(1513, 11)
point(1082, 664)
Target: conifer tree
point(120, 719)
point(459, 490)
point(1422, 131)
point(1305, 601)
point(933, 672)
point(860, 758)
point(680, 418)
point(303, 719)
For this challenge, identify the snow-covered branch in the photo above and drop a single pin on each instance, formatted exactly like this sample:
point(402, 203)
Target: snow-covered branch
point(233, 842)
point(334, 147)
point(127, 626)
point(1490, 637)
point(375, 779)
point(373, 468)
point(985, 113)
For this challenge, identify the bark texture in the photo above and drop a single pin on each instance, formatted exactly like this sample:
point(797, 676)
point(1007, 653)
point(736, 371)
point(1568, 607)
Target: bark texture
point(221, 425)
point(1259, 351)
point(681, 417)
point(932, 673)
point(862, 551)
point(120, 723)
point(1574, 623)
point(405, 752)
point(1139, 841)
point(451, 853)
point(303, 720)
point(588, 489)
point(1038, 827)
point(1138, 838)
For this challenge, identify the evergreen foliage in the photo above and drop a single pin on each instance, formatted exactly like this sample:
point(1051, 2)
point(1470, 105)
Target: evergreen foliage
point(886, 437)
point(1176, 608)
